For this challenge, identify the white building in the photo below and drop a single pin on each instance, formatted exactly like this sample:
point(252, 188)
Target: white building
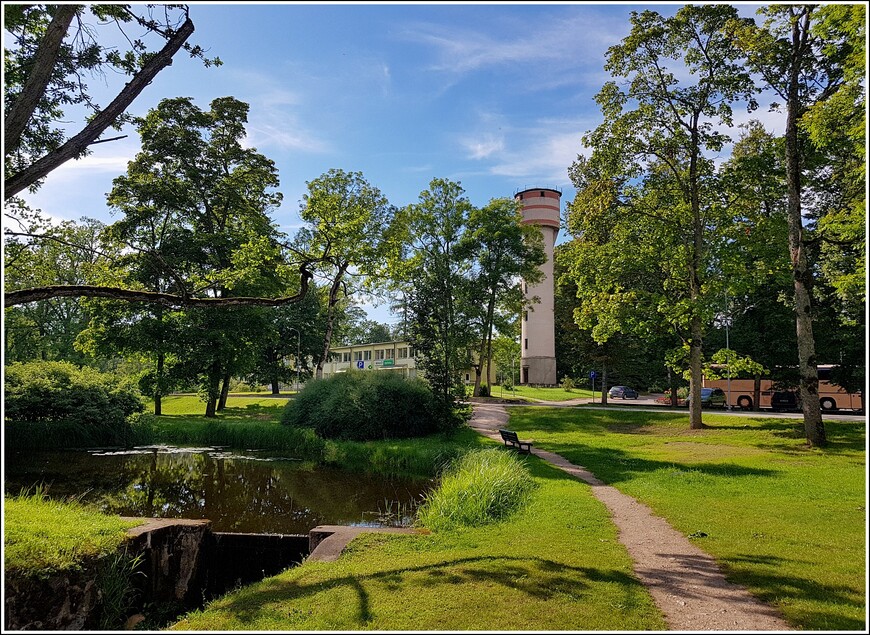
point(541, 208)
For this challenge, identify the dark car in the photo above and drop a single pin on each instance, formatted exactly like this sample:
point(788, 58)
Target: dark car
point(710, 398)
point(622, 391)
point(785, 400)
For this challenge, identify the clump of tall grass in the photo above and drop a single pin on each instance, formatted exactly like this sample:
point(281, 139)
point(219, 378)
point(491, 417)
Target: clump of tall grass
point(480, 487)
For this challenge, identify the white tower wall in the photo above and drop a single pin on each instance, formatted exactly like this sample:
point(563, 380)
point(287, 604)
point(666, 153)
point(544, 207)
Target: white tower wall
point(541, 208)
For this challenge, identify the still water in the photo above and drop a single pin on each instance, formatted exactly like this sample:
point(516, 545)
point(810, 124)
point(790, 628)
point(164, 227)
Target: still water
point(245, 491)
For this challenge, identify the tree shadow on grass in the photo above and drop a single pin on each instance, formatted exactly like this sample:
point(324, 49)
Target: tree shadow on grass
point(613, 465)
point(540, 579)
point(769, 587)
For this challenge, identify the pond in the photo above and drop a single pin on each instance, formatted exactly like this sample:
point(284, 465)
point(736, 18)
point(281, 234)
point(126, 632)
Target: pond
point(249, 492)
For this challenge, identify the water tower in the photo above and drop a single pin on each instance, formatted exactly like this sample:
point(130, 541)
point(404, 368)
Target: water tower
point(541, 208)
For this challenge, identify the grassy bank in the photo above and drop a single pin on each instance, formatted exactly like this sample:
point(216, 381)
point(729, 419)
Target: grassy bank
point(785, 521)
point(43, 536)
point(252, 423)
point(555, 564)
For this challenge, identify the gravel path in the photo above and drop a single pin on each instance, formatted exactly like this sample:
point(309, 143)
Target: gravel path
point(685, 582)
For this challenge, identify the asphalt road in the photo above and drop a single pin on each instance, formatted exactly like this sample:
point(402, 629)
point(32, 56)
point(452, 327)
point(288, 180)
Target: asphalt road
point(648, 403)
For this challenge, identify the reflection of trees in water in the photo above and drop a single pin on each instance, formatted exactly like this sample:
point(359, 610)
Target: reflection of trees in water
point(236, 494)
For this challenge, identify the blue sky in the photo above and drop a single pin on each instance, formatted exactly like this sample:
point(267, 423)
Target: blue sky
point(495, 96)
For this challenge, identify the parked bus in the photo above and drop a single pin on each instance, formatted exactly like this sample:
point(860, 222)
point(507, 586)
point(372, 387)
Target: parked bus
point(744, 393)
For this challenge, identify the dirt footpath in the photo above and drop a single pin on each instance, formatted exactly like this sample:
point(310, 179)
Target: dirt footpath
point(685, 582)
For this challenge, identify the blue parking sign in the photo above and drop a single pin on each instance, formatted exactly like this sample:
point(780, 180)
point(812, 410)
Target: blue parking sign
point(591, 374)
point(360, 364)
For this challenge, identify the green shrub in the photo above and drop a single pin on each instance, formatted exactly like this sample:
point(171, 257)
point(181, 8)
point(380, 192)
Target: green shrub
point(482, 486)
point(368, 405)
point(568, 384)
point(484, 390)
point(57, 401)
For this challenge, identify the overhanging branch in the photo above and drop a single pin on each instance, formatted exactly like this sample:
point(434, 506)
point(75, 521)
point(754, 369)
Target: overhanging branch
point(23, 296)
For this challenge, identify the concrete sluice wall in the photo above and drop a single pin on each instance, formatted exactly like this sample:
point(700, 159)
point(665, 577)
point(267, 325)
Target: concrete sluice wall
point(184, 564)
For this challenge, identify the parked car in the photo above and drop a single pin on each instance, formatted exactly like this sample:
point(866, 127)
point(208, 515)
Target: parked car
point(785, 400)
point(622, 391)
point(710, 398)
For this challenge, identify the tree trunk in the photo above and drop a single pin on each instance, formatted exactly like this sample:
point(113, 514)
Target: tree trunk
point(478, 369)
point(40, 73)
point(803, 277)
point(225, 391)
point(696, 376)
point(604, 383)
point(276, 388)
point(330, 319)
point(696, 333)
point(756, 394)
point(158, 384)
point(213, 390)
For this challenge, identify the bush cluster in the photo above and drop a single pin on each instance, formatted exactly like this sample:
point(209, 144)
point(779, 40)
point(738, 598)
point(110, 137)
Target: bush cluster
point(368, 405)
point(91, 408)
point(481, 487)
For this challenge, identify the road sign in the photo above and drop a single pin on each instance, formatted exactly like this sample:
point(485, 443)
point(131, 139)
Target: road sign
point(360, 364)
point(592, 374)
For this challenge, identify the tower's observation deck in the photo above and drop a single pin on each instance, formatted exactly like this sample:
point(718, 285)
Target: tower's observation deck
point(541, 207)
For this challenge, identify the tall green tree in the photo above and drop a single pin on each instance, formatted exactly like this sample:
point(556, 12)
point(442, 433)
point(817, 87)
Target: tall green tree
point(196, 206)
point(812, 58)
point(503, 251)
point(433, 279)
point(651, 162)
point(68, 253)
point(346, 220)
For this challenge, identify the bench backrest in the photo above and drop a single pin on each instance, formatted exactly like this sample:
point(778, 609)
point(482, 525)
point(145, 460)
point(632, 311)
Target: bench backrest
point(507, 435)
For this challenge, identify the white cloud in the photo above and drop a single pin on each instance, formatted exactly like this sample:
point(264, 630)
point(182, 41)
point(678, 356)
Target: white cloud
point(484, 147)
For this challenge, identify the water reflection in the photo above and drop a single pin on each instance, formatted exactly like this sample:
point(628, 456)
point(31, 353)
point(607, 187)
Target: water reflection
point(244, 492)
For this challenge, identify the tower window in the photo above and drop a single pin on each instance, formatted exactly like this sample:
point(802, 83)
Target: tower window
point(527, 343)
point(542, 194)
point(526, 316)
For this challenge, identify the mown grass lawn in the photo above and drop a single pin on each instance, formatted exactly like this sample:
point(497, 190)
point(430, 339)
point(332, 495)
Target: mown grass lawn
point(244, 406)
point(786, 521)
point(554, 565)
point(543, 394)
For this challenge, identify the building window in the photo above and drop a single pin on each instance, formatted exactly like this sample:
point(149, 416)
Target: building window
point(357, 356)
point(467, 377)
point(525, 316)
point(411, 352)
point(345, 357)
point(367, 355)
point(403, 352)
point(527, 344)
point(379, 353)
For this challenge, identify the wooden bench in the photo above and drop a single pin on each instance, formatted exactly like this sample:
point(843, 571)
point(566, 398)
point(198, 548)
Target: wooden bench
point(512, 440)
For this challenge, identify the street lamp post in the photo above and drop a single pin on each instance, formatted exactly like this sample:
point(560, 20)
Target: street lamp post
point(298, 341)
